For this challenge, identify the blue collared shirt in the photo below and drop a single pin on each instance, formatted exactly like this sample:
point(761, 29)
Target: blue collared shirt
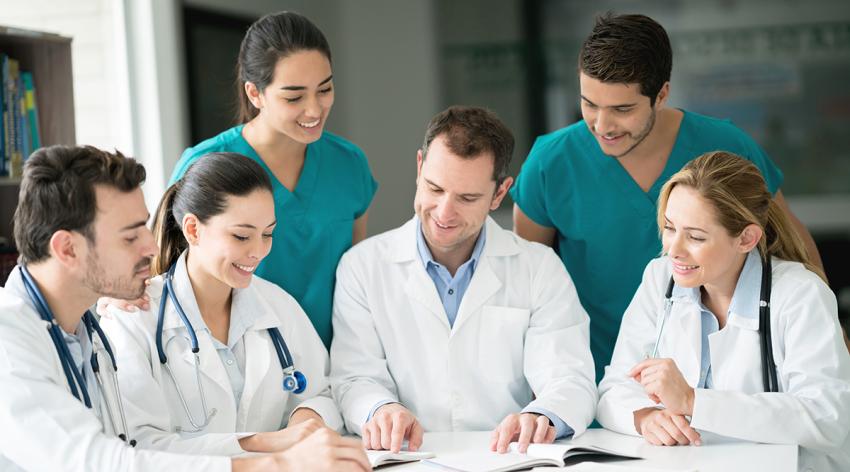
point(451, 289)
point(745, 303)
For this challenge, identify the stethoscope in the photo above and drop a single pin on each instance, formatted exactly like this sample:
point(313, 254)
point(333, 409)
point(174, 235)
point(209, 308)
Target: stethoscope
point(72, 374)
point(293, 380)
point(768, 366)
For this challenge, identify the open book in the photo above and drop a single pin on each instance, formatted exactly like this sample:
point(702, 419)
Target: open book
point(379, 458)
point(557, 455)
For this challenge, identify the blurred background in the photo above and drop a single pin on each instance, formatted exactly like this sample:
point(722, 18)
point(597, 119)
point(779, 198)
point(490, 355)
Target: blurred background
point(151, 77)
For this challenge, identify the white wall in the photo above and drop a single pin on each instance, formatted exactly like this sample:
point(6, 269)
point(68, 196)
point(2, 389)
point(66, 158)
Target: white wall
point(101, 105)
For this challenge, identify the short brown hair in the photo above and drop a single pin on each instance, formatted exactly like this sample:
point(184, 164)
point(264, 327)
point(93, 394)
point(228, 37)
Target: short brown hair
point(58, 193)
point(628, 49)
point(471, 131)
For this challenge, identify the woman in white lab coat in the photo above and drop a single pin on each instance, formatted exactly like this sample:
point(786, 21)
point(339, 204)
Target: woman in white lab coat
point(698, 365)
point(213, 228)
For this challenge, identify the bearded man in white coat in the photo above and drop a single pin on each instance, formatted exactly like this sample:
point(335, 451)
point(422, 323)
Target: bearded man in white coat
point(451, 323)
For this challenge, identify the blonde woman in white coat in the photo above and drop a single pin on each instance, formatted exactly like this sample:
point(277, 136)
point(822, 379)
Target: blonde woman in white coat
point(214, 227)
point(698, 366)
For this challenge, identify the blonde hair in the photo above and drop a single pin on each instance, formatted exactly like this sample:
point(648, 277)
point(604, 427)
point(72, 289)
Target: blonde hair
point(738, 193)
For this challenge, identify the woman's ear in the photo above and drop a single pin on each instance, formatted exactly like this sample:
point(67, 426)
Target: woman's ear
point(254, 95)
point(191, 229)
point(750, 237)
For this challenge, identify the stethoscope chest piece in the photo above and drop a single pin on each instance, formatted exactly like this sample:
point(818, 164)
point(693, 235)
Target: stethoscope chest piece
point(294, 382)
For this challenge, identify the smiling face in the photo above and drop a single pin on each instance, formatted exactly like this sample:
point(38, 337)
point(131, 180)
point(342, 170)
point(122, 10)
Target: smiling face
point(454, 195)
point(618, 115)
point(118, 261)
point(299, 98)
point(702, 252)
point(229, 246)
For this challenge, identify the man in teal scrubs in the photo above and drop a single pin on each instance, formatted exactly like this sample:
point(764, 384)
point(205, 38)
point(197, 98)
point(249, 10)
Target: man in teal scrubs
point(590, 189)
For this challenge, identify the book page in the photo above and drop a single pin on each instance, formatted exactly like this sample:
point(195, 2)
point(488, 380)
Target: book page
point(486, 461)
point(377, 458)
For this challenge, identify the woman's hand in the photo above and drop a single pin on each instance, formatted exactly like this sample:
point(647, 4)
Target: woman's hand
point(663, 428)
point(141, 303)
point(664, 383)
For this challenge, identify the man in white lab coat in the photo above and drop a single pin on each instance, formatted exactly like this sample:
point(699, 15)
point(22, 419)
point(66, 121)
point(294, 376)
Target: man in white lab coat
point(80, 229)
point(451, 323)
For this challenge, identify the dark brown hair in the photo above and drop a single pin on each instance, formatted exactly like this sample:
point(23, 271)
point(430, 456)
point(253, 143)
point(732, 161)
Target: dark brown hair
point(203, 192)
point(628, 49)
point(269, 39)
point(471, 131)
point(58, 193)
point(736, 190)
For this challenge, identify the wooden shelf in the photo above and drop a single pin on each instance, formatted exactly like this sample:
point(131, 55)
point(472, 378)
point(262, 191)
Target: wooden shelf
point(48, 57)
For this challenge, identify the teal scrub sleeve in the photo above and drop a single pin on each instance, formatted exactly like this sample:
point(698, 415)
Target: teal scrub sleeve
point(529, 189)
point(186, 159)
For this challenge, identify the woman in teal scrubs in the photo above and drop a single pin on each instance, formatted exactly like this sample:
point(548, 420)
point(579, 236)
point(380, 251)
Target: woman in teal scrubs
point(322, 184)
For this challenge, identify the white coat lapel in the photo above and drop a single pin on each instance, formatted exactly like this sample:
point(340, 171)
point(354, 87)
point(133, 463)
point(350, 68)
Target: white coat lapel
point(418, 286)
point(484, 284)
point(685, 339)
point(485, 281)
point(260, 359)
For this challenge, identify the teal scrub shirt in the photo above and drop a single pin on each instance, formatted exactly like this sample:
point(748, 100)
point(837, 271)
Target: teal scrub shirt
point(606, 224)
point(314, 222)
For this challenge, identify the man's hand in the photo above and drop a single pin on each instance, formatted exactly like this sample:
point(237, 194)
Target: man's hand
point(663, 428)
point(664, 383)
point(277, 441)
point(390, 426)
point(525, 428)
point(320, 451)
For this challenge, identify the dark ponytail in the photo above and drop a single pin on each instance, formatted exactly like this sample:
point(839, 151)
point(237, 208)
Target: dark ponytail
point(268, 40)
point(203, 192)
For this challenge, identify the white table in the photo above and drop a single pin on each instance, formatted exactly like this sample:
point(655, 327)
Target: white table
point(716, 454)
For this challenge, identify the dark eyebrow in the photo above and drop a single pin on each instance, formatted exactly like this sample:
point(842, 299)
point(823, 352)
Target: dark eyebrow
point(135, 225)
point(465, 195)
point(622, 105)
point(689, 228)
point(301, 87)
point(250, 226)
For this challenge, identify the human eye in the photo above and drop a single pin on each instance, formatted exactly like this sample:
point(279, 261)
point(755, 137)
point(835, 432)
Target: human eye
point(267, 235)
point(292, 99)
point(669, 229)
point(623, 109)
point(696, 238)
point(435, 189)
point(468, 199)
point(239, 237)
point(131, 239)
point(325, 90)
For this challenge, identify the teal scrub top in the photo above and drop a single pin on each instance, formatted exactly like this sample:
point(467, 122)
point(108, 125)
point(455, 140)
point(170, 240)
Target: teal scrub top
point(314, 222)
point(606, 224)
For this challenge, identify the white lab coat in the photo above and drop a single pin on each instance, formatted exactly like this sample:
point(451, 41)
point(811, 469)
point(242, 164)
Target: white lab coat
point(42, 426)
point(154, 411)
point(520, 337)
point(812, 408)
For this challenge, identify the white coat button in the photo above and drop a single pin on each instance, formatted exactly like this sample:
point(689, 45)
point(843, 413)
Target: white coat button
point(230, 362)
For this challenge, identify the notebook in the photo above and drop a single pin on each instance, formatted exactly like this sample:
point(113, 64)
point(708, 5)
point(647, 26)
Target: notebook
point(379, 458)
point(556, 455)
